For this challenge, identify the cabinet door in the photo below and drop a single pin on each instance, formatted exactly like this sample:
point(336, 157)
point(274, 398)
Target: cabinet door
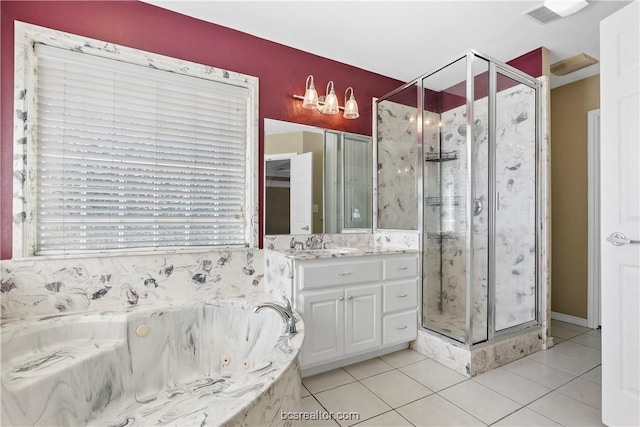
point(323, 314)
point(364, 314)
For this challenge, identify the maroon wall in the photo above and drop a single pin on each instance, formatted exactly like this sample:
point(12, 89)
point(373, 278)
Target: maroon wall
point(282, 70)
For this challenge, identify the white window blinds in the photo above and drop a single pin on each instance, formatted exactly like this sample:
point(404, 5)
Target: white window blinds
point(134, 157)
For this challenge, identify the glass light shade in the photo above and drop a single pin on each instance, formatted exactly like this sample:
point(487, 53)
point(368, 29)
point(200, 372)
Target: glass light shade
point(330, 101)
point(565, 7)
point(310, 100)
point(350, 106)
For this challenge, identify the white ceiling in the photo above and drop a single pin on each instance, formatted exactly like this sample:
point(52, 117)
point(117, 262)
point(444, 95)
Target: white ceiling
point(405, 39)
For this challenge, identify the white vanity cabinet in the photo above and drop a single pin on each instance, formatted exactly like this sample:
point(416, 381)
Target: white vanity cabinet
point(355, 305)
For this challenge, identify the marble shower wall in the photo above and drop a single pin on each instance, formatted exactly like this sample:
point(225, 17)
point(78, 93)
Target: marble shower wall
point(397, 158)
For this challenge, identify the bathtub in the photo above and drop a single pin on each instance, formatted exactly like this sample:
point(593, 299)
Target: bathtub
point(197, 363)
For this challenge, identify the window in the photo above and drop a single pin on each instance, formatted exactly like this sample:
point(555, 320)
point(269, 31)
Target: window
point(126, 156)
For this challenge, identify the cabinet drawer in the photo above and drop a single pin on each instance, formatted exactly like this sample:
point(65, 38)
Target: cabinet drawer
point(319, 275)
point(400, 267)
point(400, 296)
point(401, 327)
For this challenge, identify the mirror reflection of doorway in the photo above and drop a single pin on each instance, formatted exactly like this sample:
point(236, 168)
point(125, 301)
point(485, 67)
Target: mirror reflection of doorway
point(289, 188)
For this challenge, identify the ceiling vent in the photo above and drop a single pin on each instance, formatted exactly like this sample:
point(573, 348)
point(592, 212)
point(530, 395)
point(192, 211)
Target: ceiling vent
point(542, 15)
point(575, 63)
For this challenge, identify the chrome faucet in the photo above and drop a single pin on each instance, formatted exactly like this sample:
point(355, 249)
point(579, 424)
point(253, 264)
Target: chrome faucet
point(295, 244)
point(284, 311)
point(314, 242)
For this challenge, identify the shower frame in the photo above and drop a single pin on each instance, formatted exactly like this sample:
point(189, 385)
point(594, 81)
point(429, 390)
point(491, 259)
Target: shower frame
point(494, 66)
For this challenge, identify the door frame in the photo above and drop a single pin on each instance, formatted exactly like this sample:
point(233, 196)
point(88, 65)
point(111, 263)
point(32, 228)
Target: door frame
point(593, 218)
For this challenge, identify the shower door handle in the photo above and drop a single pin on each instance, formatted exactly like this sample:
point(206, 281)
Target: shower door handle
point(619, 239)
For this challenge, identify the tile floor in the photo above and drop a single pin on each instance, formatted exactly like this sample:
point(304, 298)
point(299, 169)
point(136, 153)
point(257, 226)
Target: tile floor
point(560, 386)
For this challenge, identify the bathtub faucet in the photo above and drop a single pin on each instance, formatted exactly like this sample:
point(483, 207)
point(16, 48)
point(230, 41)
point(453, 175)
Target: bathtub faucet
point(285, 312)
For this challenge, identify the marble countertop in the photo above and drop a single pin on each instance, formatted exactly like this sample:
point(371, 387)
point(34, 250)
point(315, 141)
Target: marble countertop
point(308, 254)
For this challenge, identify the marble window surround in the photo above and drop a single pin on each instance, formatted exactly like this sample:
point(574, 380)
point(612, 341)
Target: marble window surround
point(24, 191)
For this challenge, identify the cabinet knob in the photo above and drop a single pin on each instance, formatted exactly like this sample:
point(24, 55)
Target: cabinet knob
point(350, 298)
point(402, 296)
point(341, 299)
point(344, 274)
point(402, 268)
point(401, 327)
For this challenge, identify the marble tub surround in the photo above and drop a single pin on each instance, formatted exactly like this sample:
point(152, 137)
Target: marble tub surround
point(197, 363)
point(36, 286)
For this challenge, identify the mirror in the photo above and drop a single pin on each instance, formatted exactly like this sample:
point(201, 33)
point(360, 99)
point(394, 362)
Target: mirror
point(316, 180)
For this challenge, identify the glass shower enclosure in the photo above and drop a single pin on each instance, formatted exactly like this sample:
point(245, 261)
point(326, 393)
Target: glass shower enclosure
point(457, 154)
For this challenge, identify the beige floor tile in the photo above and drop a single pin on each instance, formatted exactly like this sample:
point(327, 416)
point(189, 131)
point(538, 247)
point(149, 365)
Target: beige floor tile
point(525, 417)
point(402, 357)
point(568, 325)
point(580, 351)
point(395, 388)
point(327, 380)
point(540, 373)
point(433, 375)
point(368, 368)
point(304, 392)
point(558, 332)
point(310, 406)
point(480, 401)
point(388, 419)
point(566, 410)
point(352, 397)
point(594, 375)
point(563, 361)
point(585, 391)
point(515, 387)
point(588, 340)
point(434, 410)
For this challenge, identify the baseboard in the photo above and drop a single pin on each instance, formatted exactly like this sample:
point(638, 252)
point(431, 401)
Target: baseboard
point(569, 319)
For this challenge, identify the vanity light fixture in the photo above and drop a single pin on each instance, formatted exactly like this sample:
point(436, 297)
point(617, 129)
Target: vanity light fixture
point(310, 100)
point(330, 101)
point(328, 104)
point(350, 105)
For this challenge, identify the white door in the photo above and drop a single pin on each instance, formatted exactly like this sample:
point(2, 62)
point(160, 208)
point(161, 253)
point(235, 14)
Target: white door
point(301, 193)
point(323, 314)
point(363, 316)
point(620, 213)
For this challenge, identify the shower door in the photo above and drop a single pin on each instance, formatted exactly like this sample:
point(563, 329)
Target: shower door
point(515, 214)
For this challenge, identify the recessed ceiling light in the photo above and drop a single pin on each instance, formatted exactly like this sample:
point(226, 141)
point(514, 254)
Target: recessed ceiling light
point(554, 9)
point(565, 7)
